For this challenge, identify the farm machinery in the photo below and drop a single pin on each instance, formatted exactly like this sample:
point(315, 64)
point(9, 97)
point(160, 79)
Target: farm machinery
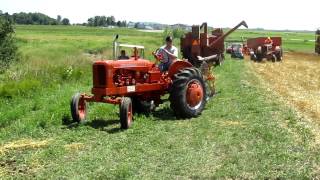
point(137, 84)
point(236, 50)
point(205, 50)
point(197, 44)
point(317, 44)
point(269, 48)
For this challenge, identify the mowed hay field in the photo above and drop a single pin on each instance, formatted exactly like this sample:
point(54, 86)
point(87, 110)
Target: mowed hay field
point(245, 132)
point(296, 81)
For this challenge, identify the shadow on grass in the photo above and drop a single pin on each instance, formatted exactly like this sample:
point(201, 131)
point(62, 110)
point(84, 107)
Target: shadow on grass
point(100, 124)
point(164, 114)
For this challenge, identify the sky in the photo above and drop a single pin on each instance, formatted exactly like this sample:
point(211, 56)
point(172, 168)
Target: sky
point(267, 14)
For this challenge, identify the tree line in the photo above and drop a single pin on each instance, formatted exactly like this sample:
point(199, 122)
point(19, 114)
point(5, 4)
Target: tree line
point(105, 21)
point(42, 19)
point(35, 19)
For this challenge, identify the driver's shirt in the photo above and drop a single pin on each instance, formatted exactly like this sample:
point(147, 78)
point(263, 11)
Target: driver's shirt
point(166, 57)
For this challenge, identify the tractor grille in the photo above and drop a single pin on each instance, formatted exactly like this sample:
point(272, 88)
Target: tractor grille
point(101, 75)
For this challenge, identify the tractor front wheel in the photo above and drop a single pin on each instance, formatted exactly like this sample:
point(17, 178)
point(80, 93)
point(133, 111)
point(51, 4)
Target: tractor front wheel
point(78, 108)
point(188, 93)
point(126, 113)
point(259, 57)
point(273, 58)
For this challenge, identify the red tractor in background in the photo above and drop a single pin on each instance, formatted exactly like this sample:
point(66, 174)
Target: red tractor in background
point(269, 48)
point(137, 84)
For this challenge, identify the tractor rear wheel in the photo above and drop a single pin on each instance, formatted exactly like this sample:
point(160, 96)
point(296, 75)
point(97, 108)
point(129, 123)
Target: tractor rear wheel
point(188, 93)
point(78, 108)
point(126, 113)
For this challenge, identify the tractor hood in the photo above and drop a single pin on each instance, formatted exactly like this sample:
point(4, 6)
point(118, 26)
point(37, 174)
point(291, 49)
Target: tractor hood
point(129, 64)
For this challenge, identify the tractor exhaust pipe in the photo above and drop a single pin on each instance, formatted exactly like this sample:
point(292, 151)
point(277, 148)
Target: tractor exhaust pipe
point(242, 23)
point(115, 44)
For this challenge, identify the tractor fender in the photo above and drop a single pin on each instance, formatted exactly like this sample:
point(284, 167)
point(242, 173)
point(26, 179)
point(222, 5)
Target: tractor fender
point(176, 66)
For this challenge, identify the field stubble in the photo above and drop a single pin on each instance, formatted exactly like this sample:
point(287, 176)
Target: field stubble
point(297, 81)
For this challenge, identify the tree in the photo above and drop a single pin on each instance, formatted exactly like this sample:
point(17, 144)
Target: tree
point(119, 24)
point(33, 18)
point(102, 21)
point(8, 48)
point(124, 24)
point(91, 22)
point(59, 19)
point(65, 21)
point(109, 21)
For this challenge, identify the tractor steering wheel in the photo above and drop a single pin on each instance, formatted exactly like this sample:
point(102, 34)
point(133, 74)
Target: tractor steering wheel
point(158, 54)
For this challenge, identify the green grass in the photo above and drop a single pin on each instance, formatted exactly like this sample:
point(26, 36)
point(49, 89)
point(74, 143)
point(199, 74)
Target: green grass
point(244, 131)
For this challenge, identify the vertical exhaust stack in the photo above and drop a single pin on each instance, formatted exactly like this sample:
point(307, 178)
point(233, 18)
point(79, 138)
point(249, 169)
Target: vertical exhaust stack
point(115, 46)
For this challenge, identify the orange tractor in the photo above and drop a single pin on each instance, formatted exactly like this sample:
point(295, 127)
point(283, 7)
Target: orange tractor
point(137, 84)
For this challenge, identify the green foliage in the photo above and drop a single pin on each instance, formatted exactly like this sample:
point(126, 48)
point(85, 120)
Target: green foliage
point(65, 21)
point(8, 48)
point(33, 18)
point(19, 88)
point(105, 21)
point(176, 33)
point(70, 73)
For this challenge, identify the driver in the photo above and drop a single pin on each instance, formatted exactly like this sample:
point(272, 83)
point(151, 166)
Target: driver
point(169, 53)
point(123, 55)
point(268, 41)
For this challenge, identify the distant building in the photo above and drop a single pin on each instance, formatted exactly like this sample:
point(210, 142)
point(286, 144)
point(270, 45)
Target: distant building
point(156, 26)
point(140, 25)
point(131, 24)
